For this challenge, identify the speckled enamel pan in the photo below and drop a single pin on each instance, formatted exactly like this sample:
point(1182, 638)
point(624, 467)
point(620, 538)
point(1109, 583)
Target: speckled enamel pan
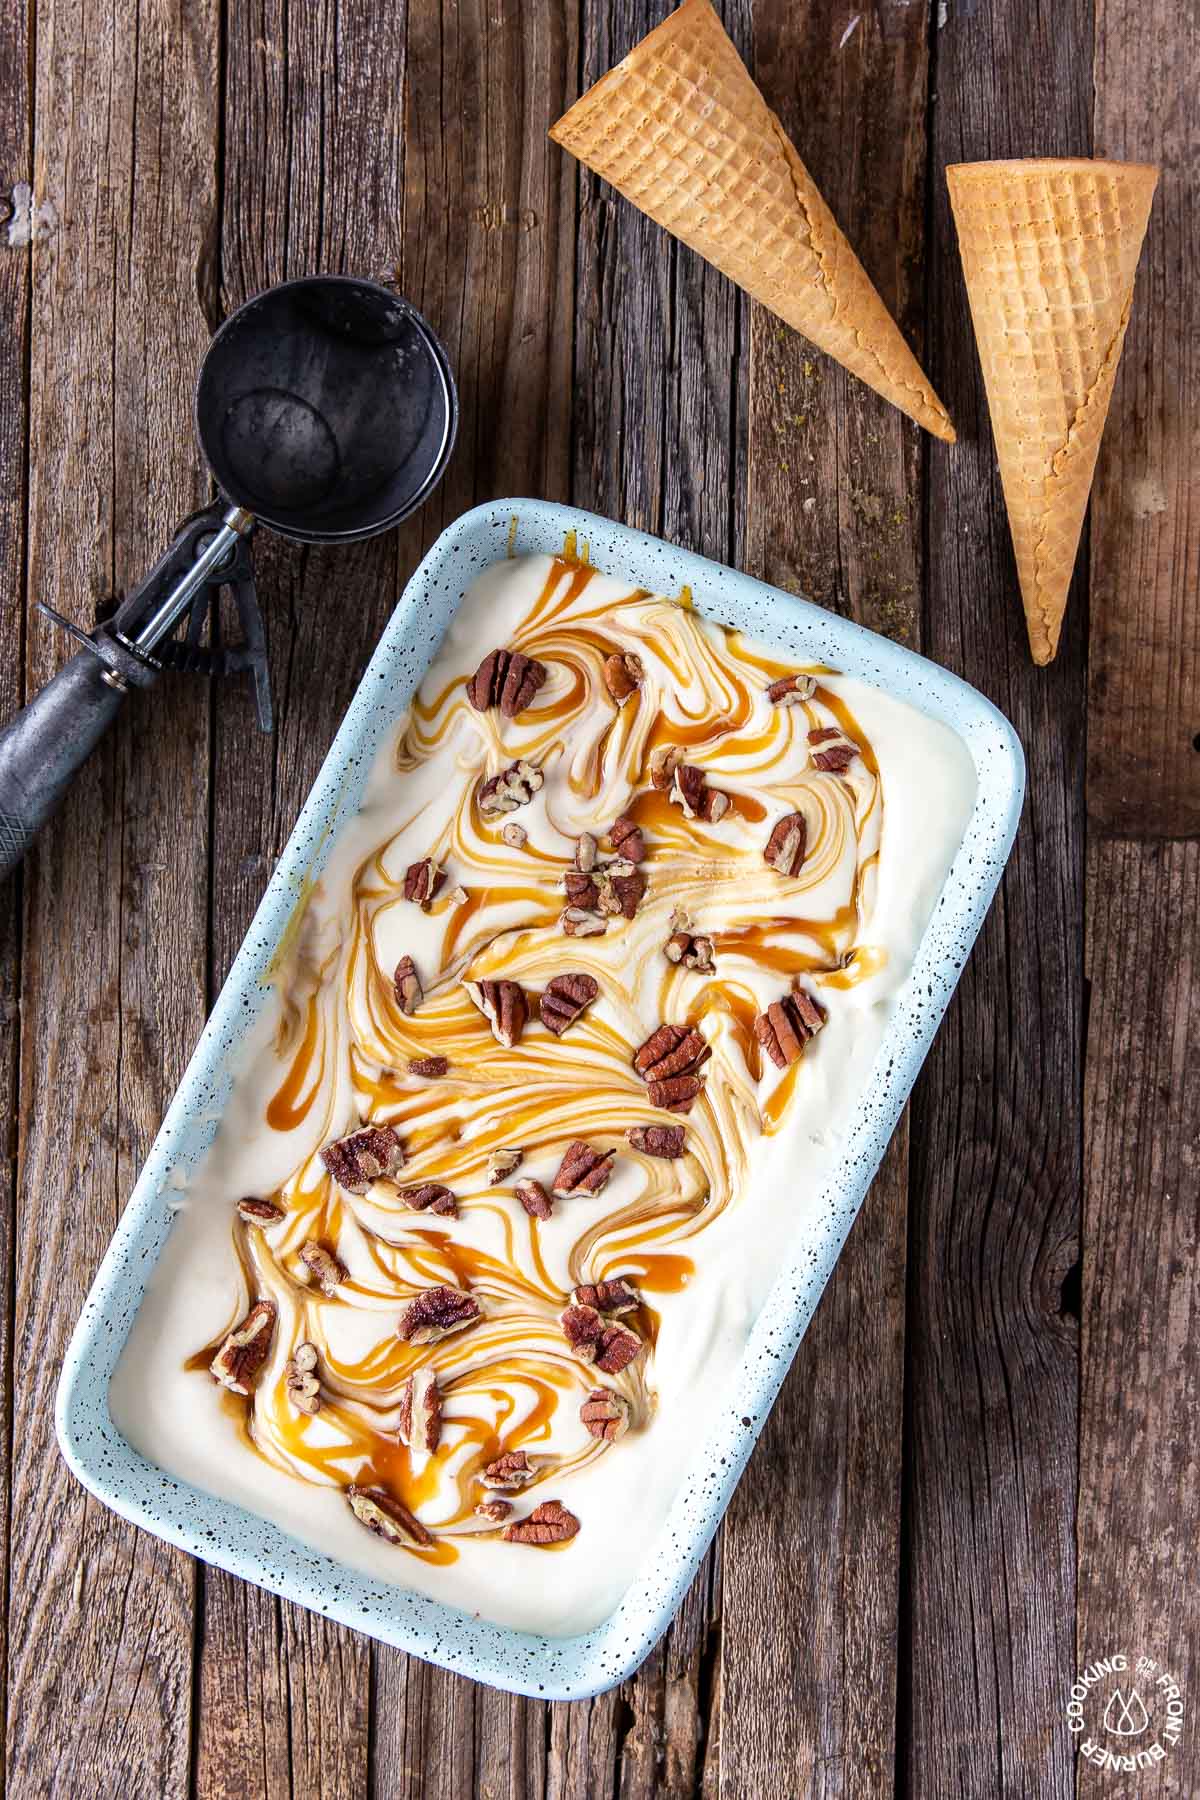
point(221, 1533)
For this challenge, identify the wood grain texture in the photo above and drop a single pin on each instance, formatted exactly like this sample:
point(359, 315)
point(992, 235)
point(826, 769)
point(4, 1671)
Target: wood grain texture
point(1144, 648)
point(834, 511)
point(992, 1376)
point(1139, 1477)
point(124, 180)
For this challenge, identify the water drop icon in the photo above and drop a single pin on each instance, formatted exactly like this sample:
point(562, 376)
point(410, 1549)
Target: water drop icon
point(1125, 1717)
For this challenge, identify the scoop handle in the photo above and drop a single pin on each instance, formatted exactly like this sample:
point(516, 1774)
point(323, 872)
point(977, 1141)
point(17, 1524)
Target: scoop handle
point(45, 746)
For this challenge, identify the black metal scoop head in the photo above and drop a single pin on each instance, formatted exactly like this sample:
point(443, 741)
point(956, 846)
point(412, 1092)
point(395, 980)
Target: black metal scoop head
point(326, 408)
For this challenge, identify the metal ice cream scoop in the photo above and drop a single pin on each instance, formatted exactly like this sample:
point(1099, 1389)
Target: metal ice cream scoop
point(326, 410)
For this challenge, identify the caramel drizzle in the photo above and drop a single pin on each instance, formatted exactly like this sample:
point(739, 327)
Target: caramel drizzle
point(505, 1381)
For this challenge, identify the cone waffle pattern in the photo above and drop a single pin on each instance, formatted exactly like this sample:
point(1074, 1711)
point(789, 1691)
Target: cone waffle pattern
point(1049, 251)
point(680, 129)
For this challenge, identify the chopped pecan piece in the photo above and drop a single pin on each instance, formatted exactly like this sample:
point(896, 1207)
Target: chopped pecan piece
point(495, 1510)
point(549, 1523)
point(502, 1163)
point(617, 1348)
point(585, 853)
point(509, 1472)
point(622, 887)
point(514, 835)
point(786, 1026)
point(504, 1006)
point(605, 1414)
point(566, 997)
point(687, 947)
point(627, 840)
point(431, 1067)
point(583, 1170)
point(786, 845)
point(792, 690)
point(582, 889)
point(429, 1196)
point(363, 1156)
point(832, 750)
point(507, 679)
point(657, 1140)
point(422, 880)
point(580, 921)
point(663, 763)
point(436, 1313)
point(511, 788)
point(534, 1199)
point(623, 674)
point(671, 1050)
point(238, 1363)
point(407, 983)
point(327, 1270)
point(420, 1423)
point(302, 1381)
point(380, 1513)
point(691, 791)
point(614, 1296)
point(458, 896)
point(676, 1094)
point(253, 1211)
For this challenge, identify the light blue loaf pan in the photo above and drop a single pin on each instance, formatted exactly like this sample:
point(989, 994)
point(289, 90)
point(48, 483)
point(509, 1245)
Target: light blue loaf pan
point(234, 1539)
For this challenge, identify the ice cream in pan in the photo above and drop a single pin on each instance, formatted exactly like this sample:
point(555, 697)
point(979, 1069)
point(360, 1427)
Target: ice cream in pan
point(559, 1051)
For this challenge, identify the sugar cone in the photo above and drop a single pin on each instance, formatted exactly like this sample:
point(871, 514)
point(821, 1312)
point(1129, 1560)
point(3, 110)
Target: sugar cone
point(682, 131)
point(1049, 250)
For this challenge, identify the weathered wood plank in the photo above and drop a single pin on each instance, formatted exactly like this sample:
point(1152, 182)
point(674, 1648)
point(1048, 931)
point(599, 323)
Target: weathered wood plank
point(113, 986)
point(995, 1173)
point(812, 1545)
point(1139, 1482)
point(1144, 647)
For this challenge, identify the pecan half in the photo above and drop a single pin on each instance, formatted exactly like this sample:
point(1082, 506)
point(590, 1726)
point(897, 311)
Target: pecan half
point(380, 1513)
point(675, 1094)
point(514, 835)
point(566, 997)
point(784, 850)
point(507, 679)
point(502, 1163)
point(549, 1523)
point(786, 1026)
point(495, 1510)
point(623, 674)
point(534, 1199)
point(585, 853)
point(657, 1140)
point(663, 763)
point(688, 947)
point(509, 1472)
point(671, 1050)
point(431, 1067)
point(422, 880)
point(301, 1380)
point(326, 1269)
point(583, 1170)
point(627, 840)
point(253, 1211)
point(407, 983)
point(792, 690)
point(609, 1346)
point(511, 788)
point(429, 1196)
point(360, 1158)
point(504, 1006)
point(582, 889)
point(420, 1423)
point(605, 1414)
point(690, 790)
point(580, 921)
point(831, 750)
point(617, 1348)
point(238, 1363)
point(436, 1313)
point(615, 1296)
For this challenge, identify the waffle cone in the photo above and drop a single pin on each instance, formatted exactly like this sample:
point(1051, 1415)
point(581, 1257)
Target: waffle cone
point(1049, 250)
point(681, 130)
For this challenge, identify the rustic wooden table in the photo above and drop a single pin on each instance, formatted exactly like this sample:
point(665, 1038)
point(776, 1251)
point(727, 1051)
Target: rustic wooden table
point(982, 1471)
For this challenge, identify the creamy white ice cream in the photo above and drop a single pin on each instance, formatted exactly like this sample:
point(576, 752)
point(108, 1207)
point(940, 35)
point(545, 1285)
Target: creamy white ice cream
point(700, 1237)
